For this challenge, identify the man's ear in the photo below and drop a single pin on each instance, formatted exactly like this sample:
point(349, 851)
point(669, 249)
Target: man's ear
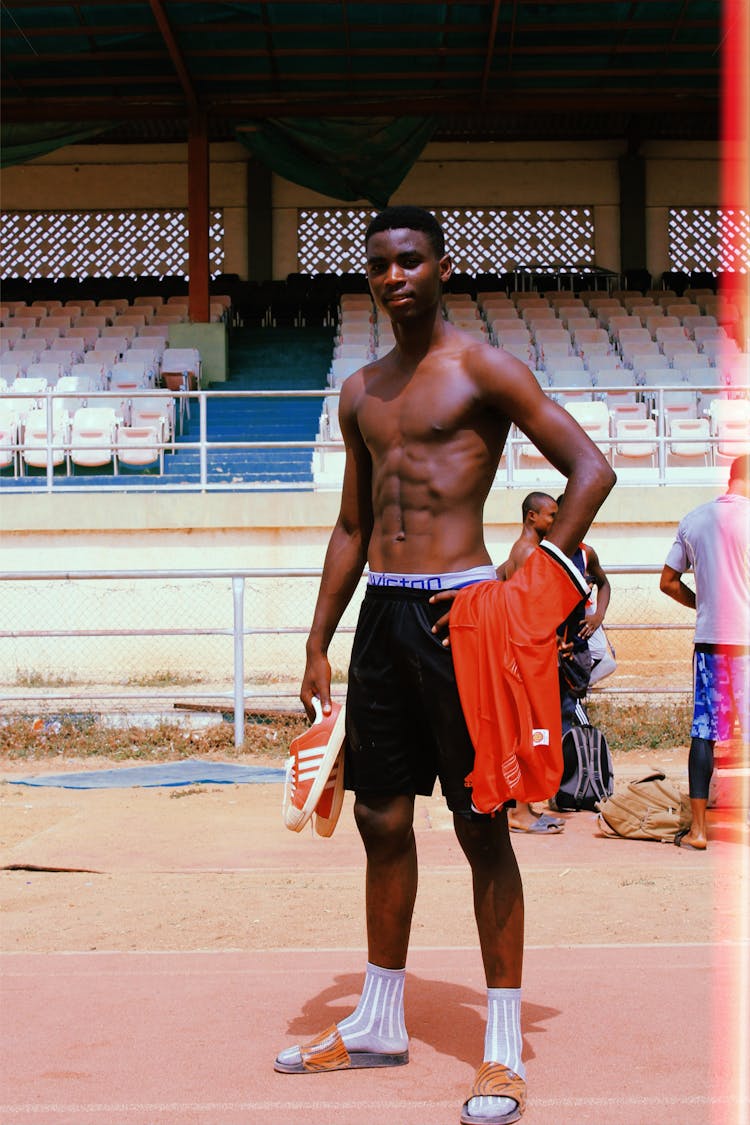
point(445, 266)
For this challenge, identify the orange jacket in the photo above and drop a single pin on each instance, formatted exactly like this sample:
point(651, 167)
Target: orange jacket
point(504, 644)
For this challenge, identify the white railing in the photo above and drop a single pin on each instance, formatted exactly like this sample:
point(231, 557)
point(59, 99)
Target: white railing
point(42, 608)
point(511, 473)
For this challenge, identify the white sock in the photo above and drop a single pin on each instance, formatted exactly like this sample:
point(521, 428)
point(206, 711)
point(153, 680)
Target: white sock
point(503, 1043)
point(377, 1023)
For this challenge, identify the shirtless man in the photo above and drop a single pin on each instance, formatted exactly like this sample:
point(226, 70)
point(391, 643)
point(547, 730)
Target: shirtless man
point(424, 428)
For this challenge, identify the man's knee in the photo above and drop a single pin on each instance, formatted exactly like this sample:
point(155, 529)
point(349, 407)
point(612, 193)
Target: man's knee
point(384, 821)
point(484, 839)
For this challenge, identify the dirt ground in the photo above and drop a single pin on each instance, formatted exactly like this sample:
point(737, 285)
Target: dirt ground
point(211, 867)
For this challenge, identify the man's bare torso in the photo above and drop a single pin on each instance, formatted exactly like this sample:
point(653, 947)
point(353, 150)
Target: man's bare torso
point(434, 449)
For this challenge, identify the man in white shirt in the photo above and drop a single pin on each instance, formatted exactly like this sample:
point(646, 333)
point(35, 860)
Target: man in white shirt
point(713, 541)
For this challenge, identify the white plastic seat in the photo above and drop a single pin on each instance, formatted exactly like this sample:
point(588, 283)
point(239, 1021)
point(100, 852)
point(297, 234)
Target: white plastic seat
point(118, 336)
point(92, 438)
point(92, 320)
point(733, 438)
point(11, 334)
point(689, 440)
point(87, 336)
point(157, 411)
point(628, 429)
point(128, 377)
point(724, 409)
point(35, 450)
point(46, 333)
point(11, 369)
point(131, 319)
point(670, 335)
point(595, 412)
point(679, 352)
point(182, 361)
point(76, 388)
point(49, 371)
point(138, 447)
point(564, 363)
point(637, 351)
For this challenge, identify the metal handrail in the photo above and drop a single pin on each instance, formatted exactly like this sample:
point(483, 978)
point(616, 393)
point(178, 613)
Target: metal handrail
point(657, 393)
point(238, 631)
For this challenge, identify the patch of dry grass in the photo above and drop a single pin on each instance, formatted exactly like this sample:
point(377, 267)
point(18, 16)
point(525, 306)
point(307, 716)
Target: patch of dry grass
point(643, 725)
point(87, 736)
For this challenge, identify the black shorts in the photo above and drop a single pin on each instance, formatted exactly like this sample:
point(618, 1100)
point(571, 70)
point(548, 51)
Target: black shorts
point(404, 722)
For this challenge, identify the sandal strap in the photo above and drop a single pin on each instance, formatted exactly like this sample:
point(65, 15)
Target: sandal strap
point(325, 1052)
point(495, 1080)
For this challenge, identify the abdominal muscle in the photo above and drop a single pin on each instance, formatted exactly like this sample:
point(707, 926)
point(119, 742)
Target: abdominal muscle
point(428, 509)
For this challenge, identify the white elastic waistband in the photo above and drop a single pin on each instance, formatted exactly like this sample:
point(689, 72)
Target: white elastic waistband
point(451, 581)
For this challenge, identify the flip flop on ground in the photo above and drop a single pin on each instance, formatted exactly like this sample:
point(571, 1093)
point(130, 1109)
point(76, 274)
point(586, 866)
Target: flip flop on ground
point(494, 1080)
point(544, 825)
point(327, 1052)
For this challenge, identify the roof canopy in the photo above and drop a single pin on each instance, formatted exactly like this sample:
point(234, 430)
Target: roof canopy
point(481, 70)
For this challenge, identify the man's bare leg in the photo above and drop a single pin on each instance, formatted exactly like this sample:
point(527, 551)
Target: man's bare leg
point(700, 768)
point(386, 827)
point(376, 1026)
point(498, 908)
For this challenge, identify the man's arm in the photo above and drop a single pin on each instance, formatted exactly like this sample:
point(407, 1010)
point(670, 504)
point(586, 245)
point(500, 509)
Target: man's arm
point(508, 384)
point(603, 591)
point(672, 585)
point(346, 554)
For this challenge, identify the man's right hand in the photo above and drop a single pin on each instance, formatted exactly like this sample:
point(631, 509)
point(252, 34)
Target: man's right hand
point(316, 682)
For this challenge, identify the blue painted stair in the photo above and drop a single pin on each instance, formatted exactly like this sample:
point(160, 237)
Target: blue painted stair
point(262, 359)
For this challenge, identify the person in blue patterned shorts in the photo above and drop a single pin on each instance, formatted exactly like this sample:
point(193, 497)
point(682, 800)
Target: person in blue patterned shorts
point(713, 541)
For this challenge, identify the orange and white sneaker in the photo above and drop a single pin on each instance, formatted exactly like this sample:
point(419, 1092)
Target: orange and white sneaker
point(315, 773)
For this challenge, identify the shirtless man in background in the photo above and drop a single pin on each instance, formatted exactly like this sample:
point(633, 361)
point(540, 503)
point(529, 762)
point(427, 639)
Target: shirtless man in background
point(424, 428)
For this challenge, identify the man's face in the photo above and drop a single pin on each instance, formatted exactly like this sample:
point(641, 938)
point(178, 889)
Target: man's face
point(404, 273)
point(543, 519)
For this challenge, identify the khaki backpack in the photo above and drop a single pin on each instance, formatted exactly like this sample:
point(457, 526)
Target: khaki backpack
point(651, 808)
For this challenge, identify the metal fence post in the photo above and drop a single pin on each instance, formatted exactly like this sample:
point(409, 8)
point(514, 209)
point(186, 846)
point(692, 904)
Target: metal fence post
point(238, 596)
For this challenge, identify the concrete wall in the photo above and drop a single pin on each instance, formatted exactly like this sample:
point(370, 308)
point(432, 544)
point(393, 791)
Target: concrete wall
point(252, 530)
point(447, 175)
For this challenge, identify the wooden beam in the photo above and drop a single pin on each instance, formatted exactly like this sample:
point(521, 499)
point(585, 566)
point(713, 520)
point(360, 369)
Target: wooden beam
point(198, 223)
point(490, 50)
point(175, 54)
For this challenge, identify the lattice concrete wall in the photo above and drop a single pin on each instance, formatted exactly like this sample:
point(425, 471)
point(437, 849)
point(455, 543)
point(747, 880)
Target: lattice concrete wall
point(121, 243)
point(479, 240)
point(708, 239)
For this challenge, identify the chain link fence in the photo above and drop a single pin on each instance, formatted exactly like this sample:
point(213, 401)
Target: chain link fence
point(217, 643)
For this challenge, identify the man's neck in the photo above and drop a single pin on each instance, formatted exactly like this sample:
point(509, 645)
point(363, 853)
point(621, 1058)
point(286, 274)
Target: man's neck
point(414, 338)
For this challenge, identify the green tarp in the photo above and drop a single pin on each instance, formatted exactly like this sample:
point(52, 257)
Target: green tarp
point(356, 158)
point(19, 143)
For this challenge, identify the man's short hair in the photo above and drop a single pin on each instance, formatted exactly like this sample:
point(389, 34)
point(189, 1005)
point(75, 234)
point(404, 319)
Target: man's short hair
point(409, 218)
point(534, 501)
point(740, 468)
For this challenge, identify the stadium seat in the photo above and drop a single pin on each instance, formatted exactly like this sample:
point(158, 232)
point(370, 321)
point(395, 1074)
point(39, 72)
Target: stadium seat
point(138, 447)
point(35, 450)
point(644, 449)
point(92, 437)
point(689, 441)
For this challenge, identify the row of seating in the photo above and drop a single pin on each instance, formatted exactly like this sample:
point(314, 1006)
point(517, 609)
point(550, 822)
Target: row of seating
point(594, 348)
point(45, 315)
point(90, 436)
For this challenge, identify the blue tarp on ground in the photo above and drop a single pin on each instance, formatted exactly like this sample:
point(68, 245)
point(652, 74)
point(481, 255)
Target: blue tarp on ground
point(192, 771)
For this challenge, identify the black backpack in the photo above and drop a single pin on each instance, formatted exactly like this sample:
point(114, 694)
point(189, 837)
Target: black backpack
point(587, 776)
